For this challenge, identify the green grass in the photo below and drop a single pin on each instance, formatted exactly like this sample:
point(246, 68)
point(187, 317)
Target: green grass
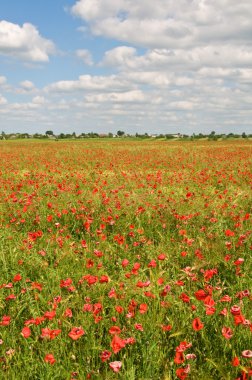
point(75, 209)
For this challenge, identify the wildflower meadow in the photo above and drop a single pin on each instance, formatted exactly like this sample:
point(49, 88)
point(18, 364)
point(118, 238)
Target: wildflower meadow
point(123, 259)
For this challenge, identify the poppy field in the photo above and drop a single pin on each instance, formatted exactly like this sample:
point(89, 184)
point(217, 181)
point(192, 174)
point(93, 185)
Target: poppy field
point(125, 260)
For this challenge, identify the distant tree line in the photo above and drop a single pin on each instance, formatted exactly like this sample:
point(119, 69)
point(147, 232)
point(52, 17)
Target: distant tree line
point(121, 134)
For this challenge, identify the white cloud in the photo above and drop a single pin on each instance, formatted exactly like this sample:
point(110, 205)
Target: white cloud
point(24, 106)
point(151, 78)
point(89, 83)
point(182, 105)
point(92, 9)
point(115, 97)
point(85, 56)
point(167, 23)
point(245, 75)
point(2, 100)
point(120, 56)
point(27, 85)
point(3, 80)
point(24, 42)
point(38, 100)
point(126, 58)
point(192, 72)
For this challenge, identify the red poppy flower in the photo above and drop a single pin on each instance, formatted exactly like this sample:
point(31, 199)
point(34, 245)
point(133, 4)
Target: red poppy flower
point(130, 340)
point(10, 297)
point(84, 244)
point(197, 324)
point(182, 373)
point(37, 285)
point(183, 346)
point(49, 358)
point(190, 356)
point(143, 307)
point(210, 310)
point(68, 313)
point(97, 318)
point(149, 294)
point(138, 326)
point(229, 233)
point(166, 327)
point(179, 357)
point(227, 332)
point(185, 298)
point(239, 261)
point(17, 277)
point(226, 298)
point(235, 310)
point(104, 279)
point(141, 284)
point(152, 264)
point(112, 293)
point(97, 308)
point(114, 330)
point(105, 355)
point(5, 320)
point(208, 301)
point(224, 312)
point(47, 333)
point(125, 262)
point(115, 366)
point(200, 294)
point(119, 309)
point(50, 315)
point(88, 307)
point(239, 319)
point(26, 332)
point(160, 281)
point(66, 283)
point(76, 333)
point(235, 362)
point(247, 354)
point(91, 280)
point(117, 344)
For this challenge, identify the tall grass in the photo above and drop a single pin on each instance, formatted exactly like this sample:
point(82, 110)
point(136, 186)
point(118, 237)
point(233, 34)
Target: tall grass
point(144, 246)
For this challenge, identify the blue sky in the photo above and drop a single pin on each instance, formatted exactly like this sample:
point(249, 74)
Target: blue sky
point(135, 65)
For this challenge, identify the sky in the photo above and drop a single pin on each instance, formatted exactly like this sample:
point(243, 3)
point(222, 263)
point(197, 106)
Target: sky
point(140, 66)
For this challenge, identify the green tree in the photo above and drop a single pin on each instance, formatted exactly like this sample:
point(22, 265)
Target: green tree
point(49, 133)
point(120, 133)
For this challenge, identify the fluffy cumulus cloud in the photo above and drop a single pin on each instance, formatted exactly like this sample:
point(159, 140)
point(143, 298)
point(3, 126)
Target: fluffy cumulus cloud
point(121, 56)
point(172, 66)
point(89, 83)
point(40, 100)
point(188, 61)
point(167, 23)
point(85, 56)
point(2, 80)
point(24, 42)
point(115, 97)
point(2, 100)
point(27, 85)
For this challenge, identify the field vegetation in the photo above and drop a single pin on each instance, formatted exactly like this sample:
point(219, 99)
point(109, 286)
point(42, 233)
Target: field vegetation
point(125, 260)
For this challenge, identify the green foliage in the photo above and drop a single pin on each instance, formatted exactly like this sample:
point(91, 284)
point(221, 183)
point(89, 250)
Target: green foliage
point(95, 225)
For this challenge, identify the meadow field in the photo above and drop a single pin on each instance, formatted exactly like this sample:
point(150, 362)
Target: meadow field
point(125, 260)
